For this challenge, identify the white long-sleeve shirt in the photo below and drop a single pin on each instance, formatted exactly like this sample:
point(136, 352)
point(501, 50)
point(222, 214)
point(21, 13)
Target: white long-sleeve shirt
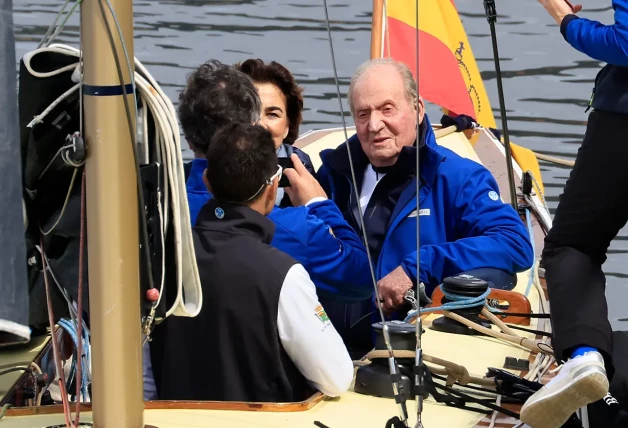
point(309, 338)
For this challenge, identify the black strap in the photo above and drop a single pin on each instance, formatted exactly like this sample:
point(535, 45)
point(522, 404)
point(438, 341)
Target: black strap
point(395, 423)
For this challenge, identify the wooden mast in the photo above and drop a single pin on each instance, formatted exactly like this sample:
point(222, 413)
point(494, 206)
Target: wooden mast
point(112, 216)
point(377, 27)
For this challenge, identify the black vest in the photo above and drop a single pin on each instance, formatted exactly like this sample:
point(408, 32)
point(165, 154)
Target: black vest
point(231, 351)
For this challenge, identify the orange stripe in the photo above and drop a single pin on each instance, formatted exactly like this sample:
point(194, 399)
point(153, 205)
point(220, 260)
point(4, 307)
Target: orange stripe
point(440, 19)
point(439, 82)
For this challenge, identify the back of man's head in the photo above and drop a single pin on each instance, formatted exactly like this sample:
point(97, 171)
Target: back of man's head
point(215, 95)
point(241, 160)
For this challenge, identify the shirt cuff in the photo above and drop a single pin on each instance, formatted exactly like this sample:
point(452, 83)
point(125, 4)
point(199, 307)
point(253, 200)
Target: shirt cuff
point(563, 24)
point(316, 199)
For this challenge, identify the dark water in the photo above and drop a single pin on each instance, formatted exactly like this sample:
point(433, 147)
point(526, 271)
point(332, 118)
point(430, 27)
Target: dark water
point(547, 84)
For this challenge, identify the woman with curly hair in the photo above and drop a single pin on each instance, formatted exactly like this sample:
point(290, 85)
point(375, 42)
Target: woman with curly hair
point(282, 107)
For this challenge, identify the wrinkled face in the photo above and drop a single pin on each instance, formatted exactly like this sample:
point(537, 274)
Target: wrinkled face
point(274, 116)
point(385, 119)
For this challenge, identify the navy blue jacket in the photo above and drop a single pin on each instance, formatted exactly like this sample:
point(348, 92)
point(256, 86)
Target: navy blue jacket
point(317, 236)
point(464, 225)
point(608, 43)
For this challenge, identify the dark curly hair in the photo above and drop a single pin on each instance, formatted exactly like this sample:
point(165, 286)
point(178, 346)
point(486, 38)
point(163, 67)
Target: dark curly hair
point(279, 76)
point(215, 95)
point(240, 159)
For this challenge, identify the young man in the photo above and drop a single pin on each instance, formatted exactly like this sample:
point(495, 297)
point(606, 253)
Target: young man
point(592, 209)
point(262, 334)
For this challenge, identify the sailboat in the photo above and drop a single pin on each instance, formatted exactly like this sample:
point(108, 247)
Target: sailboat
point(458, 362)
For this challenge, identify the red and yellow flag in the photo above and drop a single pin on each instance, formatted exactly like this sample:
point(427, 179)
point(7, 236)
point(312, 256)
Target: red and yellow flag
point(448, 74)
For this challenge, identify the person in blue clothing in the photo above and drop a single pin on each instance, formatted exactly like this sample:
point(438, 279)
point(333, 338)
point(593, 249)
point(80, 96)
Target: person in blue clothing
point(464, 225)
point(313, 231)
point(206, 104)
point(282, 110)
point(591, 210)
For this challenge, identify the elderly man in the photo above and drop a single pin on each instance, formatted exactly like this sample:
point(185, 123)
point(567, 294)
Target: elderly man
point(464, 224)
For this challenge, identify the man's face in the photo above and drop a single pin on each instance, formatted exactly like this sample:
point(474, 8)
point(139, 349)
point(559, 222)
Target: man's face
point(385, 119)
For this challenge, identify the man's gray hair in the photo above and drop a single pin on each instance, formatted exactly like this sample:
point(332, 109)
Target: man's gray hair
point(411, 90)
point(216, 95)
point(256, 111)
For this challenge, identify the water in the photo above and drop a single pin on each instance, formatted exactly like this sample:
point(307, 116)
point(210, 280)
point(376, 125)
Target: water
point(547, 84)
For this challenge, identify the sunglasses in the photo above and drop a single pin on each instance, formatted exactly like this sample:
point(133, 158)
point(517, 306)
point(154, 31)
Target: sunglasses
point(277, 175)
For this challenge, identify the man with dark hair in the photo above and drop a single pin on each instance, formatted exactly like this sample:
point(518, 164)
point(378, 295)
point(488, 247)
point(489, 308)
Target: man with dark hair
point(313, 231)
point(262, 334)
point(214, 96)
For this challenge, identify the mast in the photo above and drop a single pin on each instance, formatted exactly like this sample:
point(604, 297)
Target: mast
point(377, 29)
point(112, 215)
point(13, 284)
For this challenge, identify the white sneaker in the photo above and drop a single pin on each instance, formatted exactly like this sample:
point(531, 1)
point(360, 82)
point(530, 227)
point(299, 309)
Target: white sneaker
point(580, 381)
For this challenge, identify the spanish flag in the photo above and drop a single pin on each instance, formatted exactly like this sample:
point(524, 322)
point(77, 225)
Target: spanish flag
point(448, 73)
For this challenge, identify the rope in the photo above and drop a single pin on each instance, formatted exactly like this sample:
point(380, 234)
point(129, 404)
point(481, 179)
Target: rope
point(188, 300)
point(453, 371)
point(457, 302)
point(70, 328)
point(553, 159)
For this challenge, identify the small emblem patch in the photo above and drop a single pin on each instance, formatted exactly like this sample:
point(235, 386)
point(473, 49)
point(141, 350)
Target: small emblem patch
point(220, 213)
point(493, 195)
point(423, 211)
point(321, 314)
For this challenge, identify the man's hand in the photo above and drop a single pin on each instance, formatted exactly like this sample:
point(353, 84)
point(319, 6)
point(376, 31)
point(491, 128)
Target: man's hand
point(304, 186)
point(392, 288)
point(558, 9)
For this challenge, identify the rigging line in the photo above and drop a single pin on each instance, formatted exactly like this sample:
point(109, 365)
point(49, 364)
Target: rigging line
point(491, 16)
point(394, 371)
point(353, 179)
point(418, 378)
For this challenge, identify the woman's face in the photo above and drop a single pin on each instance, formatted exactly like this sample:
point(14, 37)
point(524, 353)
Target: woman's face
point(274, 116)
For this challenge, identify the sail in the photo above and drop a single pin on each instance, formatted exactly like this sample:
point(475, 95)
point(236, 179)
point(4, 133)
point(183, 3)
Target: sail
point(448, 73)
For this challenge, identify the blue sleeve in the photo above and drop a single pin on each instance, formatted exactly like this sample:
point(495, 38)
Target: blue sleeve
point(337, 256)
point(490, 234)
point(608, 43)
point(305, 159)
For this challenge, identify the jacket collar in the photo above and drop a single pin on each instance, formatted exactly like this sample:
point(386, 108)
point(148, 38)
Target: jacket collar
point(429, 159)
point(195, 179)
point(235, 219)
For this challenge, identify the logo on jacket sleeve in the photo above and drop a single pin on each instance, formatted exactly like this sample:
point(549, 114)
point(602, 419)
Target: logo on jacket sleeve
point(219, 212)
point(493, 195)
point(423, 211)
point(322, 315)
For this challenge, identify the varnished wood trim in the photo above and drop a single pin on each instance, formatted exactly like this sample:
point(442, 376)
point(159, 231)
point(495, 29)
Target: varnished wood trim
point(235, 405)
point(184, 405)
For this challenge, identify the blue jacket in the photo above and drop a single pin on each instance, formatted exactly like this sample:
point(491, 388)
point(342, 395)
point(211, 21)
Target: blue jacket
point(607, 43)
point(317, 236)
point(463, 223)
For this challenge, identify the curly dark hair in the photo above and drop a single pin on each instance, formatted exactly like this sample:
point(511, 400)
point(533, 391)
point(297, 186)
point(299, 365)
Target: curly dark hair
point(240, 159)
point(215, 95)
point(279, 76)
